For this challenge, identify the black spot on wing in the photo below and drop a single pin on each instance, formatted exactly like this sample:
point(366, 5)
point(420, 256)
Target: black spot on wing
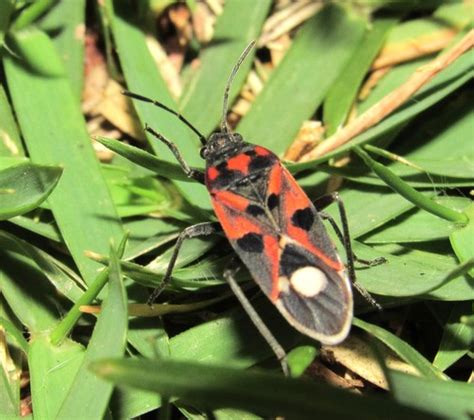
point(254, 210)
point(273, 201)
point(260, 162)
point(251, 242)
point(250, 152)
point(292, 258)
point(303, 218)
point(222, 166)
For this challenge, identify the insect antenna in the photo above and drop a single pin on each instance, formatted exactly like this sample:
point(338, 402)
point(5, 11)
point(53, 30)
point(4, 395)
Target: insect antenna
point(202, 139)
point(224, 125)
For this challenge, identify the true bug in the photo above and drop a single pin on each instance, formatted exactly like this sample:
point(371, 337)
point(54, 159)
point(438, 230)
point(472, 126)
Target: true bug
point(275, 230)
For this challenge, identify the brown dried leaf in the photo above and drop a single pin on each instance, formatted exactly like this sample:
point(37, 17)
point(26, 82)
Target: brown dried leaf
point(357, 356)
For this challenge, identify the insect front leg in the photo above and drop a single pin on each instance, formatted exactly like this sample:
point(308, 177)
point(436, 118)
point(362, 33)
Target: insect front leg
point(345, 238)
point(190, 173)
point(279, 351)
point(200, 229)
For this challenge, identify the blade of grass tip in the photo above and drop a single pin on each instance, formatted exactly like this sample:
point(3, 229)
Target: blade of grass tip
point(408, 192)
point(55, 133)
point(461, 240)
point(402, 349)
point(67, 323)
point(89, 394)
point(392, 156)
point(457, 337)
point(14, 334)
point(145, 160)
point(24, 187)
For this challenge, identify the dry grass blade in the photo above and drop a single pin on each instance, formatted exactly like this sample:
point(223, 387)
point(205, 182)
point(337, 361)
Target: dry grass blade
point(287, 19)
point(393, 100)
point(419, 47)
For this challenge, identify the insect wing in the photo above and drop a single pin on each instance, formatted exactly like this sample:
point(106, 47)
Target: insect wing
point(281, 239)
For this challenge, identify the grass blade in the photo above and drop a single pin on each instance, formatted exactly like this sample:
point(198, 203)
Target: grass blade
point(214, 387)
point(64, 141)
point(24, 187)
point(300, 82)
point(88, 394)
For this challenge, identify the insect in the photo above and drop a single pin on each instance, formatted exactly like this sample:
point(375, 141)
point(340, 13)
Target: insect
point(275, 230)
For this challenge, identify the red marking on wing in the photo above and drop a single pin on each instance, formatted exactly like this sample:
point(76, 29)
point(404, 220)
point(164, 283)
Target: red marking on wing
point(212, 173)
point(235, 201)
point(274, 180)
point(261, 151)
point(272, 252)
point(239, 163)
point(295, 199)
point(234, 226)
point(302, 237)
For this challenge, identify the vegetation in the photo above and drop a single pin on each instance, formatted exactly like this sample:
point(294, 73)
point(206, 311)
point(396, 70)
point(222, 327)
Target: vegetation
point(85, 232)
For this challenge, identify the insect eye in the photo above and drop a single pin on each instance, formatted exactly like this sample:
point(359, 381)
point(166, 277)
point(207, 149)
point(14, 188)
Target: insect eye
point(203, 152)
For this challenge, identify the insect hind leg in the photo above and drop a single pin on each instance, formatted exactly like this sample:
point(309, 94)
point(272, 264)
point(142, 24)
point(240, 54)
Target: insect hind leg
point(277, 348)
point(345, 239)
point(200, 229)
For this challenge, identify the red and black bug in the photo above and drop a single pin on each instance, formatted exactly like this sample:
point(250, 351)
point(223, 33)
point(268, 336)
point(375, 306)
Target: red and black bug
point(276, 231)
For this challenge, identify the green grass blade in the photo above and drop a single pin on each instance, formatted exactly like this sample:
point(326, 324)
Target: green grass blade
point(342, 94)
point(52, 371)
point(9, 407)
point(24, 187)
point(461, 239)
point(448, 400)
point(239, 24)
point(457, 337)
point(419, 225)
point(142, 77)
point(7, 7)
point(299, 84)
point(146, 160)
point(214, 387)
point(32, 12)
point(402, 349)
point(445, 83)
point(69, 17)
point(406, 191)
point(36, 307)
point(51, 268)
point(88, 394)
point(54, 131)
point(420, 274)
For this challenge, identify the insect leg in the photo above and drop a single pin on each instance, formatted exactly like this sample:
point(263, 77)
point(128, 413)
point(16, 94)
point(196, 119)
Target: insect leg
point(190, 173)
point(255, 318)
point(201, 229)
point(345, 238)
point(340, 236)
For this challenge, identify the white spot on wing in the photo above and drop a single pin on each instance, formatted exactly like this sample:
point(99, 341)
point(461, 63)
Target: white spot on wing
point(308, 281)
